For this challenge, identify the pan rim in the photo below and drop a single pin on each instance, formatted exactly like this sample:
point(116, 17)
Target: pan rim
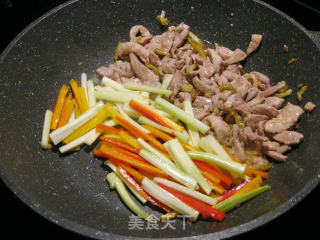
point(93, 233)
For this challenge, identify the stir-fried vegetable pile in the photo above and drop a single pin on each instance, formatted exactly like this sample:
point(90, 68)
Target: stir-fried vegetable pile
point(162, 153)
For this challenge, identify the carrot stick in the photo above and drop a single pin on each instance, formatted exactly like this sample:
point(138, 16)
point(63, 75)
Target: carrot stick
point(157, 133)
point(107, 129)
point(76, 92)
point(58, 107)
point(154, 116)
point(151, 174)
point(226, 179)
point(130, 154)
point(64, 106)
point(140, 133)
point(118, 144)
point(114, 155)
point(215, 186)
point(83, 98)
point(230, 155)
point(209, 176)
point(66, 112)
point(249, 170)
point(134, 173)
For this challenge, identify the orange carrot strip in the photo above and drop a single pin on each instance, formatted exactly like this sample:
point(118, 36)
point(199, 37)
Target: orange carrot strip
point(83, 98)
point(76, 92)
point(230, 155)
point(134, 173)
point(226, 179)
point(66, 113)
point(157, 133)
point(114, 155)
point(211, 177)
point(151, 174)
point(107, 129)
point(140, 133)
point(64, 106)
point(216, 187)
point(119, 144)
point(58, 107)
point(130, 154)
point(249, 170)
point(154, 115)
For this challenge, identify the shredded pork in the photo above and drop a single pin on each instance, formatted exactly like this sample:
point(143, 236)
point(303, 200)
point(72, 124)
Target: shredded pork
point(246, 116)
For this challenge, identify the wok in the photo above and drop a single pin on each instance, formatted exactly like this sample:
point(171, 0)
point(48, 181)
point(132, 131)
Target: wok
point(70, 190)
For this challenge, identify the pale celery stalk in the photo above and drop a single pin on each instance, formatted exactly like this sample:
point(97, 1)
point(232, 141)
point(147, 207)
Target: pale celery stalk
point(130, 120)
point(88, 138)
point(168, 199)
point(103, 88)
point(91, 97)
point(232, 202)
point(210, 144)
point(139, 87)
point(84, 84)
point(46, 130)
point(172, 171)
point(61, 133)
point(167, 78)
point(114, 169)
point(177, 152)
point(181, 115)
point(194, 194)
point(114, 84)
point(151, 149)
point(116, 96)
point(193, 133)
point(73, 146)
point(183, 136)
point(219, 161)
point(116, 183)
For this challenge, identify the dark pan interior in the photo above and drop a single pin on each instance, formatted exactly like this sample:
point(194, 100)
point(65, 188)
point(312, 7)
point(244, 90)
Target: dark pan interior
point(70, 190)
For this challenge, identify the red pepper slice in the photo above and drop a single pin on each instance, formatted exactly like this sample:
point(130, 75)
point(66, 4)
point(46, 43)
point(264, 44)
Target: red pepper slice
point(141, 191)
point(154, 116)
point(118, 144)
point(205, 209)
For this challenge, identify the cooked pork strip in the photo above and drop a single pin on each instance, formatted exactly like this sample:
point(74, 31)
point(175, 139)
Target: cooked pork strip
point(288, 137)
point(254, 43)
point(287, 118)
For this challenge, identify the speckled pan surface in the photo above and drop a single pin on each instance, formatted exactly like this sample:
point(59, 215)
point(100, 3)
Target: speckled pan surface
point(70, 190)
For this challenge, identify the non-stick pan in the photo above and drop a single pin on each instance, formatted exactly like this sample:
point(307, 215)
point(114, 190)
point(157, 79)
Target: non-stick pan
point(70, 190)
